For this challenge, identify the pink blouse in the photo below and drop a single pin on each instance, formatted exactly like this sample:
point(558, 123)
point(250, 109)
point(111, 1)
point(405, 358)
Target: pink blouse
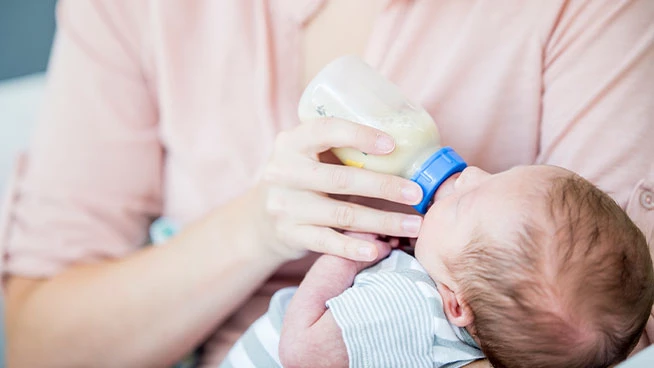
point(171, 107)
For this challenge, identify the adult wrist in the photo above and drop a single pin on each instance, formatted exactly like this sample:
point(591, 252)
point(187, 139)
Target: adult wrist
point(242, 225)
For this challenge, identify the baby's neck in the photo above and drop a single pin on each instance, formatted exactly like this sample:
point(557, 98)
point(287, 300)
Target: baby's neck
point(473, 333)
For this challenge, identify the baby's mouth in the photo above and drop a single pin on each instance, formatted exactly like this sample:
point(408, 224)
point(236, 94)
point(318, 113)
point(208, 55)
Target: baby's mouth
point(445, 189)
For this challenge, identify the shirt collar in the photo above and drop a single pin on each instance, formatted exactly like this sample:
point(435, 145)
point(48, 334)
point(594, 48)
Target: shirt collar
point(302, 11)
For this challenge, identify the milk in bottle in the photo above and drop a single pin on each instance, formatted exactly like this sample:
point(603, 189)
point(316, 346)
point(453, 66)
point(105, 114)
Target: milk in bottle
point(349, 89)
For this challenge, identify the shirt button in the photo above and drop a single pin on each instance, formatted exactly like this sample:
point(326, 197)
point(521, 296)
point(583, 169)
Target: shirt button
point(647, 199)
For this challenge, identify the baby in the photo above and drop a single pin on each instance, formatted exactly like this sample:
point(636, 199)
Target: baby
point(532, 267)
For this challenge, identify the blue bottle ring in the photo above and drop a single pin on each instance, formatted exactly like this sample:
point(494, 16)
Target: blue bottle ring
point(433, 172)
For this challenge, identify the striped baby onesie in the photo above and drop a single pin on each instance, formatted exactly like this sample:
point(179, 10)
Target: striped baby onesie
point(392, 316)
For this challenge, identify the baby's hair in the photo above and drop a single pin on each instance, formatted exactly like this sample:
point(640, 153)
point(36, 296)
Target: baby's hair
point(572, 290)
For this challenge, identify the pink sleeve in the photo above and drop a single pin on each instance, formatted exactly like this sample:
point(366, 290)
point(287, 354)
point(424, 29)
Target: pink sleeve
point(90, 184)
point(598, 100)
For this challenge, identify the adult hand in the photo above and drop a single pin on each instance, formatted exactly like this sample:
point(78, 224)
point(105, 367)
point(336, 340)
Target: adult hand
point(384, 246)
point(300, 214)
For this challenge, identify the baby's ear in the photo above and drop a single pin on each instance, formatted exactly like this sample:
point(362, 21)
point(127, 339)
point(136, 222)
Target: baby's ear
point(456, 310)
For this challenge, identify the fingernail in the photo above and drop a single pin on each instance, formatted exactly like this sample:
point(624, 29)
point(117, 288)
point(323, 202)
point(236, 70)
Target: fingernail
point(365, 253)
point(412, 224)
point(384, 143)
point(412, 193)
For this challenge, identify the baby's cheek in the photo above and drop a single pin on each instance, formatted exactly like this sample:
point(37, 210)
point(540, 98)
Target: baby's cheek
point(432, 264)
point(430, 225)
point(425, 256)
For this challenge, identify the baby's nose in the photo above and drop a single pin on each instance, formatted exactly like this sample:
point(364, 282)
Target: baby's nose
point(471, 177)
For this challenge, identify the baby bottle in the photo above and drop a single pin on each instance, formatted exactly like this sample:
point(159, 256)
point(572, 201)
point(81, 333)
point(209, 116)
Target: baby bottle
point(349, 89)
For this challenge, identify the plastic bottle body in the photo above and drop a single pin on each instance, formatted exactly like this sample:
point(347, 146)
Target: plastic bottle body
point(416, 138)
point(351, 90)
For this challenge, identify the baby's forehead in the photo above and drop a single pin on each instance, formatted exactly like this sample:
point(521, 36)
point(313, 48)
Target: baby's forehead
point(517, 207)
point(539, 200)
point(530, 186)
point(537, 175)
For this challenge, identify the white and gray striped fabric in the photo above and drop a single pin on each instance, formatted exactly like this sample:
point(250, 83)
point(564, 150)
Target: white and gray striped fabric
point(392, 316)
point(258, 347)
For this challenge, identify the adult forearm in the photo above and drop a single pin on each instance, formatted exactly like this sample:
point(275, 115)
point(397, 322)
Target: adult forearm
point(145, 310)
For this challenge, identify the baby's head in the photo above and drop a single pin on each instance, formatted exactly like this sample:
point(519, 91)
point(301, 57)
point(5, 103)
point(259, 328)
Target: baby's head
point(542, 267)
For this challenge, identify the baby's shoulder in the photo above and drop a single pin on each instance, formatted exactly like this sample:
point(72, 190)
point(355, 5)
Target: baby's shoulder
point(398, 266)
point(396, 262)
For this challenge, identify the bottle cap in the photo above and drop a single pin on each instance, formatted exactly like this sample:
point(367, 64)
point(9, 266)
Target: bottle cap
point(433, 172)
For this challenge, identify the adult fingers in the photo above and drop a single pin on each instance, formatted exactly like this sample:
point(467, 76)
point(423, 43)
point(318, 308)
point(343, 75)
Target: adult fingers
point(320, 135)
point(325, 240)
point(324, 211)
point(338, 179)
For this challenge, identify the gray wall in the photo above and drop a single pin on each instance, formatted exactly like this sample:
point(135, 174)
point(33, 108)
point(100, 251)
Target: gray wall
point(26, 31)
